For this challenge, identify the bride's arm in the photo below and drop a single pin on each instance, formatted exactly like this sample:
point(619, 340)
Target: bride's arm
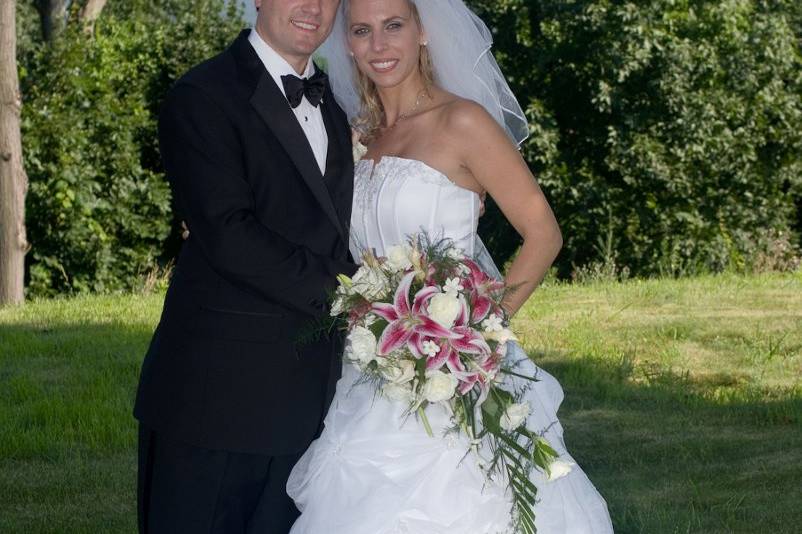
point(488, 154)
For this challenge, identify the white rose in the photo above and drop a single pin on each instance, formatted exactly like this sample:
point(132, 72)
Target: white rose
point(559, 469)
point(444, 308)
point(455, 253)
point(398, 392)
point(340, 298)
point(398, 258)
point(399, 372)
point(370, 283)
point(439, 386)
point(514, 416)
point(360, 346)
point(493, 323)
point(338, 306)
point(500, 336)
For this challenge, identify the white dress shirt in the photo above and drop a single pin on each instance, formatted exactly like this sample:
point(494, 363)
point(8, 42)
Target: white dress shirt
point(309, 117)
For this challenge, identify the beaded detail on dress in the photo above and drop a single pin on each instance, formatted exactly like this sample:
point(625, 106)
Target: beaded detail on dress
point(397, 197)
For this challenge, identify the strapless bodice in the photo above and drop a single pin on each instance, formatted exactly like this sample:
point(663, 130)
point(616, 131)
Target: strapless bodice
point(398, 197)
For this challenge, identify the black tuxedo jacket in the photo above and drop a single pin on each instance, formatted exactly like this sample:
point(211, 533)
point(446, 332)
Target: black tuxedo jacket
point(269, 233)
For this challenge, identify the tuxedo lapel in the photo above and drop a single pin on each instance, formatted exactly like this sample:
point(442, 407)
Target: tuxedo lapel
point(271, 105)
point(337, 130)
point(339, 167)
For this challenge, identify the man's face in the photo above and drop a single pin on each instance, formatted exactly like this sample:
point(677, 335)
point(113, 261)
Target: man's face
point(295, 28)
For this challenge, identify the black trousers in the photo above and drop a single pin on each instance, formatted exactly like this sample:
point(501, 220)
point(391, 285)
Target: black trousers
point(183, 489)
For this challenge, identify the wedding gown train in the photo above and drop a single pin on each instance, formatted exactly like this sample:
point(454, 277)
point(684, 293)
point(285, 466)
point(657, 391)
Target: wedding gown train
point(372, 471)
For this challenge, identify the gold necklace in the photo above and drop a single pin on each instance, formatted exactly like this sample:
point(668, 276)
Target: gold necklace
point(409, 112)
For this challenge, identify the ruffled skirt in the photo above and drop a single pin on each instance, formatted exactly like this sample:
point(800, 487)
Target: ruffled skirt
point(375, 471)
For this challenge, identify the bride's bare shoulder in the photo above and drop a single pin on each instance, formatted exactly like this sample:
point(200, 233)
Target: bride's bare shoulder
point(462, 116)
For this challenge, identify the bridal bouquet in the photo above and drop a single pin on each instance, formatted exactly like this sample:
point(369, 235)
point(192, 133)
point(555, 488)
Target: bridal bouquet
point(426, 326)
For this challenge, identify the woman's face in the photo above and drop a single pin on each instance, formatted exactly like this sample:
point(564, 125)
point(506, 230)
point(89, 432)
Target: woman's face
point(385, 40)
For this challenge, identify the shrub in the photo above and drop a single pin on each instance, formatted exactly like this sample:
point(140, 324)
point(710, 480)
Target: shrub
point(680, 118)
point(98, 209)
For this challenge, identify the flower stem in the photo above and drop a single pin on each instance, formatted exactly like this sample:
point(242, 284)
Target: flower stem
point(425, 420)
point(530, 378)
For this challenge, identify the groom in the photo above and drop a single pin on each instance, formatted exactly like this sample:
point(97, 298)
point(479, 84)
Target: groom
point(259, 158)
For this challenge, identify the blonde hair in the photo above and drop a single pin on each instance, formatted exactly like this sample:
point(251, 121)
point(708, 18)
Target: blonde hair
point(371, 115)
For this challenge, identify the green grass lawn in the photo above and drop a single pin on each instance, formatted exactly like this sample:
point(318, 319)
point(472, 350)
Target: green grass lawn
point(683, 402)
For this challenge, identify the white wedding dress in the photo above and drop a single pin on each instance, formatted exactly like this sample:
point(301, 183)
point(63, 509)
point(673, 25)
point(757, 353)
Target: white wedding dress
point(374, 472)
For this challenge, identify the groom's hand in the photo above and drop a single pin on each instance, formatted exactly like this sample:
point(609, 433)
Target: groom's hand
point(185, 229)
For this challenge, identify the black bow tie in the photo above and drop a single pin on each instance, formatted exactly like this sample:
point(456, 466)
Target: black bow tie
point(313, 88)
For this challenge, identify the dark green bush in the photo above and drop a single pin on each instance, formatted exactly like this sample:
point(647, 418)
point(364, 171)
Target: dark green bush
point(675, 125)
point(98, 210)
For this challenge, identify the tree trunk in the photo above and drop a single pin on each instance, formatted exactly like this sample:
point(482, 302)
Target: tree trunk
point(13, 180)
point(53, 17)
point(90, 13)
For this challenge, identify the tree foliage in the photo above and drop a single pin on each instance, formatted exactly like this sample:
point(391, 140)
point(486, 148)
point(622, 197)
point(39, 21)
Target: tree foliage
point(99, 206)
point(665, 134)
point(670, 126)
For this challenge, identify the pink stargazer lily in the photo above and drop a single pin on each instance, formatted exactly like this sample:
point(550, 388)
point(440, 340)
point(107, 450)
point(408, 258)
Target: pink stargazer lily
point(454, 353)
point(481, 290)
point(449, 357)
point(466, 340)
point(480, 379)
point(408, 324)
point(468, 383)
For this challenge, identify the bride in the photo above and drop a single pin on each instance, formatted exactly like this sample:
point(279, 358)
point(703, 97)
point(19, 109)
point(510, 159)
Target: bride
point(441, 129)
